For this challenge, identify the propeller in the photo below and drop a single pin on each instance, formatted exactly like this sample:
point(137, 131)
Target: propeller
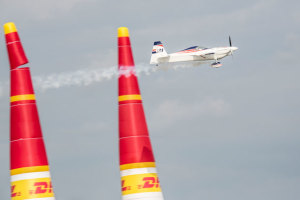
point(230, 44)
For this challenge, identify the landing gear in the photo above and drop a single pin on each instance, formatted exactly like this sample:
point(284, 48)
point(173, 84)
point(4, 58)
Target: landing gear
point(216, 64)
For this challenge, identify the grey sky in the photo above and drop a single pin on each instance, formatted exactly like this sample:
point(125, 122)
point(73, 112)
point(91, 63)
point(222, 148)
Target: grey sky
point(230, 133)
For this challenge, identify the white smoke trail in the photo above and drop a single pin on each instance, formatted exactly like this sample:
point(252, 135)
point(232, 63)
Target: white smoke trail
point(76, 78)
point(83, 77)
point(88, 76)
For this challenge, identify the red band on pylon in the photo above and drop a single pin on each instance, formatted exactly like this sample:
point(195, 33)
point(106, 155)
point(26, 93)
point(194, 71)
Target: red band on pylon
point(132, 120)
point(21, 82)
point(28, 153)
point(15, 50)
point(125, 55)
point(25, 122)
point(135, 150)
point(124, 41)
point(128, 85)
point(12, 37)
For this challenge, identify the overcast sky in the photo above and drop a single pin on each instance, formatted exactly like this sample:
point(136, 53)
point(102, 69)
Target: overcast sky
point(230, 133)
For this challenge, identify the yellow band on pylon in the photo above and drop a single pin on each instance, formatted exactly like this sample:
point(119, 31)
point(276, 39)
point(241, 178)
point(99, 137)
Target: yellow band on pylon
point(130, 97)
point(9, 27)
point(22, 97)
point(140, 183)
point(29, 169)
point(137, 165)
point(123, 32)
point(36, 188)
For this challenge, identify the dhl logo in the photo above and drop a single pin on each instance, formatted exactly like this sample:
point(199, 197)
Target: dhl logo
point(140, 183)
point(41, 188)
point(31, 189)
point(151, 182)
point(14, 194)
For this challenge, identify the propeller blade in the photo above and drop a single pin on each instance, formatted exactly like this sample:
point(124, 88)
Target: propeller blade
point(231, 52)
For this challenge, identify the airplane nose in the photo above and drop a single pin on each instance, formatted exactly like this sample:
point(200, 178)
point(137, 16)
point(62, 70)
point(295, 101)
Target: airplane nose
point(234, 48)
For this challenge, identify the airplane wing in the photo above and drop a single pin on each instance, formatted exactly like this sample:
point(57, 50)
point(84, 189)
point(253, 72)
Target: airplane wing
point(204, 55)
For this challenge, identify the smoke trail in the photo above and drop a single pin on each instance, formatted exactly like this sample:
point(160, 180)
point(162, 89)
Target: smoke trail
point(83, 77)
point(88, 76)
point(77, 78)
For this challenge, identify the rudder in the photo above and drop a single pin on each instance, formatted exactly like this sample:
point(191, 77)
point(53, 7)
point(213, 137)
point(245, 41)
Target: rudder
point(158, 51)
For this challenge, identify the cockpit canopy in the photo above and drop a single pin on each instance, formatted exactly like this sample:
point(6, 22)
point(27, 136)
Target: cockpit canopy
point(195, 48)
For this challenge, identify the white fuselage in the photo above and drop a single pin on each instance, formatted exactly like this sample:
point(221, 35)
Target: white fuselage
point(198, 55)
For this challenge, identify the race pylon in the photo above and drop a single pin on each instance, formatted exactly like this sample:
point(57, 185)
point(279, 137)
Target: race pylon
point(29, 169)
point(139, 178)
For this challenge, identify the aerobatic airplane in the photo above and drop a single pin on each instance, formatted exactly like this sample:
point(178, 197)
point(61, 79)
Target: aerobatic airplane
point(194, 53)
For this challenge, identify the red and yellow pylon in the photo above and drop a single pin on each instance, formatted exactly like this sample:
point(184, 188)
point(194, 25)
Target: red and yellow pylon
point(139, 177)
point(30, 176)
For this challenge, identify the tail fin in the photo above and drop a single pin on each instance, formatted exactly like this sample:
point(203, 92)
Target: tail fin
point(158, 51)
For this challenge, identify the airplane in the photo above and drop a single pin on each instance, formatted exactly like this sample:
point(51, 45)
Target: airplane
point(194, 53)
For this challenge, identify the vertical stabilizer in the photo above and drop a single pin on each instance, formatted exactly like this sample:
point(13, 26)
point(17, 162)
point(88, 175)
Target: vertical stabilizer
point(139, 177)
point(158, 51)
point(30, 176)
